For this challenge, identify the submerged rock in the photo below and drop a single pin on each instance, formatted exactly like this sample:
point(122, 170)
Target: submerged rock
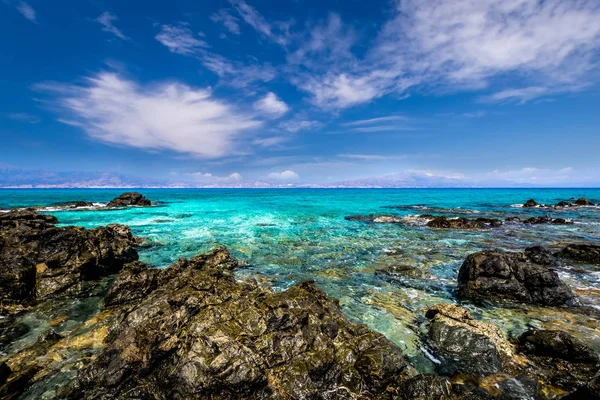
point(582, 252)
point(192, 331)
point(463, 223)
point(497, 276)
point(540, 255)
point(39, 260)
point(130, 199)
point(546, 219)
point(464, 344)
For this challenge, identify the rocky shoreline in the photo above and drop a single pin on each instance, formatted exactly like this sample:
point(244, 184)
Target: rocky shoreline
point(192, 331)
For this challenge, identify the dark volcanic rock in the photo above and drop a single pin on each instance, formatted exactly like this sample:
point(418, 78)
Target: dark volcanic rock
point(130, 199)
point(546, 219)
point(78, 204)
point(589, 391)
point(556, 344)
point(585, 253)
point(463, 223)
point(583, 202)
point(462, 343)
point(540, 255)
point(497, 276)
point(192, 331)
point(567, 362)
point(531, 203)
point(383, 219)
point(39, 260)
point(563, 204)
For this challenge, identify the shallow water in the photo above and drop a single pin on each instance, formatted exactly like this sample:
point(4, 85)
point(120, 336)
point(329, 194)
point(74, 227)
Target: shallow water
point(286, 236)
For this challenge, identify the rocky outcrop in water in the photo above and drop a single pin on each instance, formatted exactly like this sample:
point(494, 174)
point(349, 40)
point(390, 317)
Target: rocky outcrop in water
point(581, 252)
point(563, 360)
point(498, 276)
point(464, 344)
point(462, 223)
point(130, 199)
point(531, 203)
point(192, 331)
point(581, 202)
point(39, 260)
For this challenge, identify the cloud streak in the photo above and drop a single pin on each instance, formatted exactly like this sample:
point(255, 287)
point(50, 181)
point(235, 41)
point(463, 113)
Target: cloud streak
point(167, 116)
point(107, 20)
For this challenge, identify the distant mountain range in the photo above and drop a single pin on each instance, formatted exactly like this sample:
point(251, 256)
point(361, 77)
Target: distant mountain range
point(13, 177)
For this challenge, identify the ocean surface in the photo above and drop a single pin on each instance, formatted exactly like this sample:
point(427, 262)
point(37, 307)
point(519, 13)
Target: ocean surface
point(284, 236)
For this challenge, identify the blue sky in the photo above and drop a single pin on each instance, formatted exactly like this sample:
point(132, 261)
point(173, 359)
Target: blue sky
point(303, 91)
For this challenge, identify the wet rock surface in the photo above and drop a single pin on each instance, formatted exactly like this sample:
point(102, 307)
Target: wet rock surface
point(582, 252)
point(39, 260)
point(130, 199)
point(498, 276)
point(463, 223)
point(563, 360)
point(209, 336)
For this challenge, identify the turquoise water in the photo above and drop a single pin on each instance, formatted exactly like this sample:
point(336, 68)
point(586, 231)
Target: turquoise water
point(288, 235)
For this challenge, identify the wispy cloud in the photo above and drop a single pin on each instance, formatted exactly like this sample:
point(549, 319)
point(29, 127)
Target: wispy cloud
point(371, 121)
point(107, 20)
point(27, 11)
point(180, 39)
point(229, 21)
point(271, 105)
point(296, 125)
point(169, 116)
point(24, 117)
point(276, 32)
point(238, 74)
point(464, 45)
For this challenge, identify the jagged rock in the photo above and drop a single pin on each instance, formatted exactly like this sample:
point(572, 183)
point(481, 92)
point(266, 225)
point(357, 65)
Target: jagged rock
point(39, 260)
point(589, 391)
point(585, 253)
point(583, 202)
point(130, 199)
point(498, 276)
point(566, 362)
point(546, 219)
point(563, 203)
point(556, 344)
point(192, 331)
point(463, 223)
point(540, 255)
point(78, 204)
point(464, 344)
point(531, 203)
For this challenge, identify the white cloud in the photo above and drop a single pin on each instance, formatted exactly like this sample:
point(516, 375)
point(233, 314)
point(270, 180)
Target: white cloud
point(106, 19)
point(237, 74)
point(454, 45)
point(27, 11)
point(521, 95)
point(271, 105)
point(208, 178)
point(296, 125)
point(278, 31)
point(287, 175)
point(180, 39)
point(229, 21)
point(169, 116)
point(371, 121)
point(269, 141)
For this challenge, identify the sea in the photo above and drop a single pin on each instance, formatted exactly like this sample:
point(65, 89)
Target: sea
point(285, 236)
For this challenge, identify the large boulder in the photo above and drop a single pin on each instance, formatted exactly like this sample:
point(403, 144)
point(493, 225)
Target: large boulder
point(463, 344)
point(564, 361)
point(498, 276)
point(192, 331)
point(39, 260)
point(130, 199)
point(583, 252)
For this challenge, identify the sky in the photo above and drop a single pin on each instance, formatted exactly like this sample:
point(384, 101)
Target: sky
point(303, 92)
